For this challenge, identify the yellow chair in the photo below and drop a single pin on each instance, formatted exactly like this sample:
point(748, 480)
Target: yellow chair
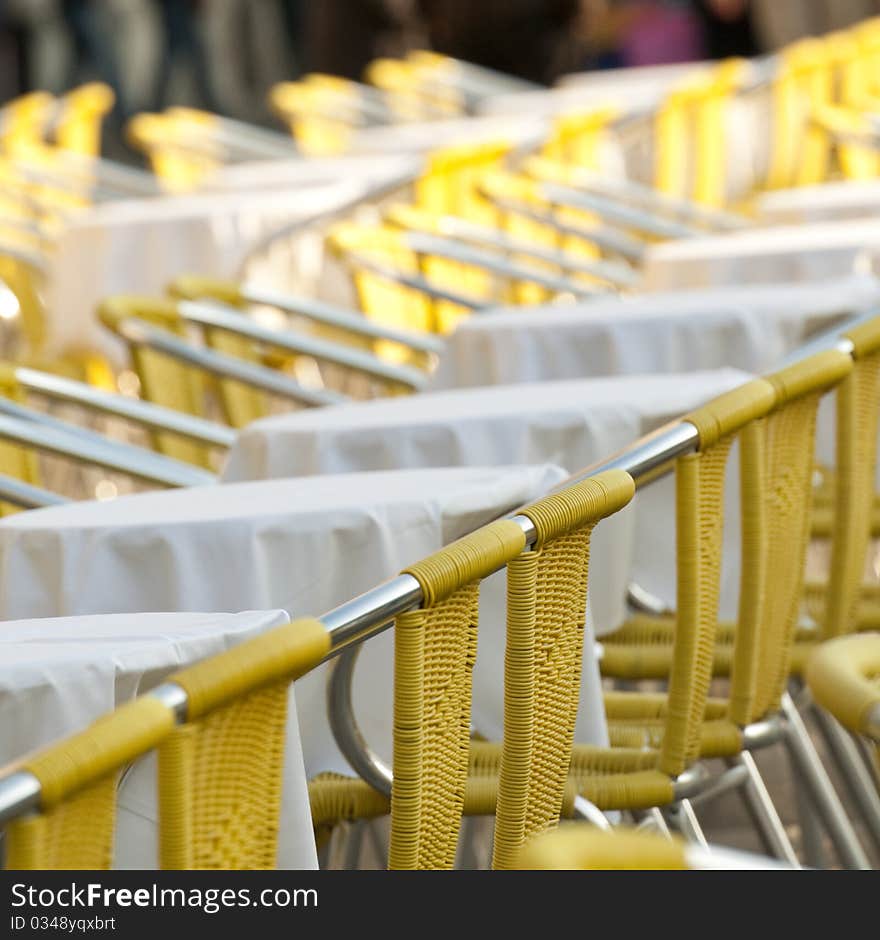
point(439, 773)
point(579, 847)
point(219, 772)
point(82, 112)
point(843, 676)
point(756, 652)
point(576, 847)
point(690, 134)
point(391, 286)
point(337, 324)
point(321, 112)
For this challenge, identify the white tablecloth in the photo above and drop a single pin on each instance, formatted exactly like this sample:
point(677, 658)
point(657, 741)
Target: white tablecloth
point(785, 253)
point(304, 545)
point(748, 328)
point(572, 423)
point(58, 675)
point(138, 246)
point(850, 199)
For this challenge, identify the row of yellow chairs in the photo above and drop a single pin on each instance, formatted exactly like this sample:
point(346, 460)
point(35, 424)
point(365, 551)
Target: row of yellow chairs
point(207, 775)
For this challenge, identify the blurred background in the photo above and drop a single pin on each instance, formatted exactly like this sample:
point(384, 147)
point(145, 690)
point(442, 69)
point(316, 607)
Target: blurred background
point(225, 55)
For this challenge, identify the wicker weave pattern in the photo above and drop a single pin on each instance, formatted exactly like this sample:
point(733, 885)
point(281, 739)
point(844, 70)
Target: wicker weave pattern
point(699, 528)
point(77, 776)
point(858, 415)
point(790, 441)
point(77, 834)
point(220, 786)
point(434, 652)
point(546, 602)
point(220, 774)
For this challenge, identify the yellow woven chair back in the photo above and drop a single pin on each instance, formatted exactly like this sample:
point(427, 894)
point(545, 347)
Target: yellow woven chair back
point(75, 824)
point(800, 147)
point(776, 468)
point(381, 297)
point(220, 773)
point(180, 163)
point(174, 384)
point(583, 848)
point(78, 127)
point(434, 652)
point(23, 122)
point(546, 617)
point(857, 419)
point(844, 677)
point(690, 136)
point(699, 482)
point(320, 113)
point(512, 190)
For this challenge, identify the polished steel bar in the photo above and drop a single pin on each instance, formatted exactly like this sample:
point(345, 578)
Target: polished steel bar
point(374, 191)
point(489, 261)
point(133, 461)
point(648, 198)
point(330, 315)
point(616, 212)
point(416, 282)
point(215, 315)
point(607, 238)
point(140, 333)
point(27, 496)
point(139, 412)
point(621, 275)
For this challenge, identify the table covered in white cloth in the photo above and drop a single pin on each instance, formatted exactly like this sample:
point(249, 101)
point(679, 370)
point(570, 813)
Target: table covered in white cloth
point(814, 252)
point(57, 675)
point(304, 545)
point(748, 328)
point(138, 246)
point(844, 199)
point(571, 423)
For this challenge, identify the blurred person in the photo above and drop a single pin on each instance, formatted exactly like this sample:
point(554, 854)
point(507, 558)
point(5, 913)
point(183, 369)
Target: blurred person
point(533, 39)
point(247, 52)
point(342, 37)
point(728, 28)
point(181, 40)
point(15, 49)
point(94, 55)
point(293, 16)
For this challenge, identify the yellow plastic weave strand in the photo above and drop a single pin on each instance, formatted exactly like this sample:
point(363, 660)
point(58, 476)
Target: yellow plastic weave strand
point(220, 786)
point(790, 441)
point(546, 603)
point(74, 828)
point(699, 526)
point(858, 415)
point(754, 575)
point(434, 652)
point(78, 834)
point(220, 774)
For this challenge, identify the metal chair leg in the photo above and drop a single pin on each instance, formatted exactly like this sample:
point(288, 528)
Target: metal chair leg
point(826, 801)
point(855, 774)
point(688, 825)
point(763, 812)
